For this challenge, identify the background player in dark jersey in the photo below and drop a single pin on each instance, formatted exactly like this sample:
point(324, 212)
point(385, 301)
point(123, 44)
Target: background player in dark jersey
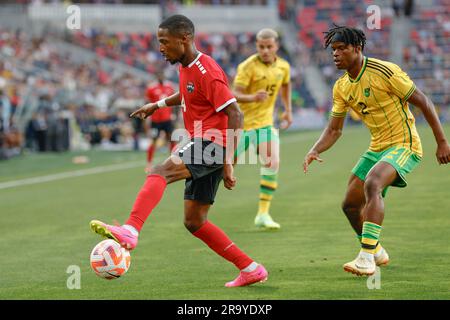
point(209, 110)
point(161, 120)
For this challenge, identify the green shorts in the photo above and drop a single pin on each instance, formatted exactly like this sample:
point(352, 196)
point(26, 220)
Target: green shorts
point(256, 137)
point(402, 159)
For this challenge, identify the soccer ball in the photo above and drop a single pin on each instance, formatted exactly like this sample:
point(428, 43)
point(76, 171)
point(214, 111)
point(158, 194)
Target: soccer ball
point(110, 260)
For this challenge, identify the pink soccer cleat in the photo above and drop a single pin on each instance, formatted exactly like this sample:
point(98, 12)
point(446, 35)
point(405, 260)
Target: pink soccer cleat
point(118, 233)
point(260, 274)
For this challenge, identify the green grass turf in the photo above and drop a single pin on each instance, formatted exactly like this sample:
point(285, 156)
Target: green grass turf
point(44, 229)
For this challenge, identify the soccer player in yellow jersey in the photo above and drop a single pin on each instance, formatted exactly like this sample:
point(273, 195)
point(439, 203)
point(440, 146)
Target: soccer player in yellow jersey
point(258, 81)
point(379, 92)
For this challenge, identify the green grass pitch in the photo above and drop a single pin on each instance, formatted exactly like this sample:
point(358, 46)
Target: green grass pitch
point(44, 229)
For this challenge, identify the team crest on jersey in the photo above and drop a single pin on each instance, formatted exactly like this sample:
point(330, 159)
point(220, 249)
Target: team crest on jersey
point(190, 87)
point(367, 92)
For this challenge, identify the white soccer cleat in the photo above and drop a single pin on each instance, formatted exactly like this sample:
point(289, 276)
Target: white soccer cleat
point(265, 221)
point(363, 265)
point(381, 257)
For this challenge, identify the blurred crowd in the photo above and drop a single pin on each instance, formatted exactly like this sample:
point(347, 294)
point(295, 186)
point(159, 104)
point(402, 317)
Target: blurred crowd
point(51, 100)
point(60, 94)
point(316, 17)
point(53, 91)
point(140, 50)
point(427, 58)
point(164, 2)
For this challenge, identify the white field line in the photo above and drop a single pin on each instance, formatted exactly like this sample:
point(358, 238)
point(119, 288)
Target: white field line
point(70, 174)
point(121, 166)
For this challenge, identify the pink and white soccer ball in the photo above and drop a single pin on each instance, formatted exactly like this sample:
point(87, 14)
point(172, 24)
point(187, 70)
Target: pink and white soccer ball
point(110, 260)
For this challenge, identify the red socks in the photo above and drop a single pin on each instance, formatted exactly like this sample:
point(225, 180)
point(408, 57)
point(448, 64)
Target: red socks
point(152, 148)
point(146, 200)
point(149, 197)
point(218, 241)
point(151, 152)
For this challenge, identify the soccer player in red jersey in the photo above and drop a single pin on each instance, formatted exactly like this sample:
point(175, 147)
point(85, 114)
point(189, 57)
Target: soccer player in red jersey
point(209, 110)
point(162, 118)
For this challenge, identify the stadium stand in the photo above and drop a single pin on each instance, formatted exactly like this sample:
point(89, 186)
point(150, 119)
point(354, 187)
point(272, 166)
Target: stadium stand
point(167, 2)
point(315, 17)
point(53, 88)
point(140, 50)
point(73, 103)
point(61, 86)
point(427, 58)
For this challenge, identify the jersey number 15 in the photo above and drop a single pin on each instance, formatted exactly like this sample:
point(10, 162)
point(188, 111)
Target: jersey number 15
point(270, 89)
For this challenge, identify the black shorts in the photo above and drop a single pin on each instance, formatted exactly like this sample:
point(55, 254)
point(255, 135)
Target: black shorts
point(165, 126)
point(204, 160)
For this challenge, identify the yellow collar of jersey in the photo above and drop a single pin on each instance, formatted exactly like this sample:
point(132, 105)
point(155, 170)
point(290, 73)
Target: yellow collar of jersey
point(267, 65)
point(360, 72)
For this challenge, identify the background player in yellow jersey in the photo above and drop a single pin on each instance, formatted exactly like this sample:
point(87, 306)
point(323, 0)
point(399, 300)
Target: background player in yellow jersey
point(258, 81)
point(379, 91)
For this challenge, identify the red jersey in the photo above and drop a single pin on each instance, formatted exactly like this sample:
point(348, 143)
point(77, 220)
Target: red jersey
point(158, 92)
point(204, 93)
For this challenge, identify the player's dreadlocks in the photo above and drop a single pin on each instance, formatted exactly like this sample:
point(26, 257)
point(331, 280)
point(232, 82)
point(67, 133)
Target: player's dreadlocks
point(178, 24)
point(353, 36)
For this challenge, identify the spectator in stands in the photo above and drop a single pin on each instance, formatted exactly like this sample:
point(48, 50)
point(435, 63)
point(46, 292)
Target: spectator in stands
point(397, 5)
point(409, 7)
point(36, 132)
point(5, 107)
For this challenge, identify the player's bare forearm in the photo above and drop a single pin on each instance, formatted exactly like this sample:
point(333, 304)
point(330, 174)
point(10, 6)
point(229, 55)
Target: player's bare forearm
point(286, 99)
point(235, 116)
point(148, 109)
point(330, 135)
point(236, 123)
point(327, 139)
point(173, 100)
point(426, 106)
point(241, 96)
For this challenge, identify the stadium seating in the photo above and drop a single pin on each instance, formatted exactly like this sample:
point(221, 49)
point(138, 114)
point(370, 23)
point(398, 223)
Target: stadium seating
point(427, 58)
point(52, 86)
point(36, 77)
point(88, 91)
point(315, 17)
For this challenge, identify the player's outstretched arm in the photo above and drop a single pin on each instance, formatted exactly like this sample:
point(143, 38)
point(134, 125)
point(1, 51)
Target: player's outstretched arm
point(327, 139)
point(150, 108)
point(421, 101)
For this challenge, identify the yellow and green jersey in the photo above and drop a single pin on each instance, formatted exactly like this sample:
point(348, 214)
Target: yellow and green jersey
point(254, 75)
point(379, 96)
